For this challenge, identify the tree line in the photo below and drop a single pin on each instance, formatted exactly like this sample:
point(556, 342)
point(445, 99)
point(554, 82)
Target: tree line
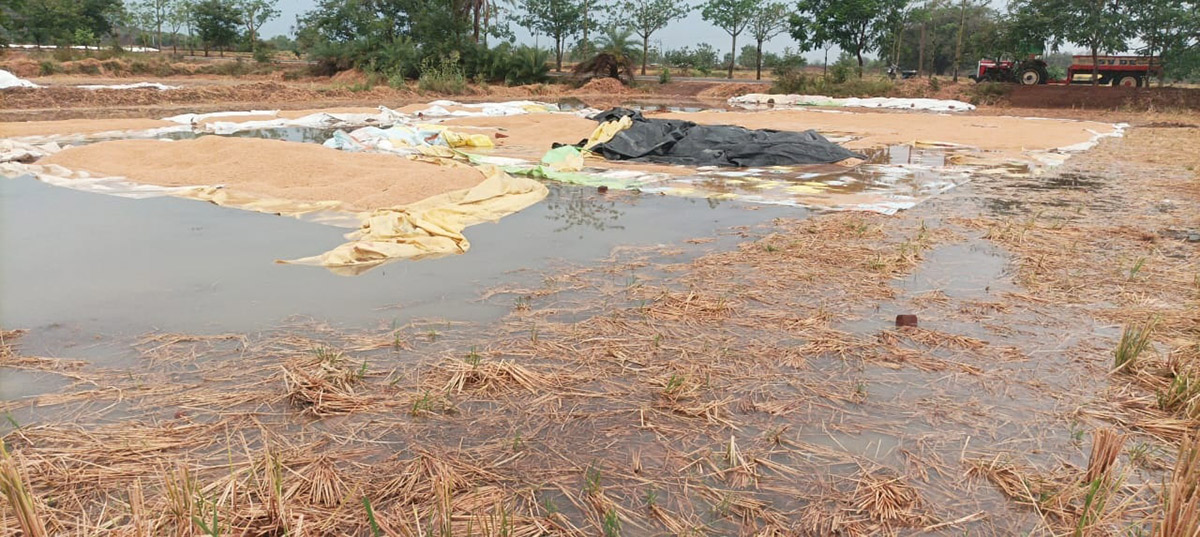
point(206, 24)
point(397, 36)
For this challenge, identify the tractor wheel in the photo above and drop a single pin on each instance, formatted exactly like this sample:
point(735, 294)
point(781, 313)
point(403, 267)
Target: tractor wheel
point(1128, 81)
point(1032, 76)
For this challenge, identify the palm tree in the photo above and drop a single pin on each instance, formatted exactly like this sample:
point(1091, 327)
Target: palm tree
point(619, 43)
point(614, 57)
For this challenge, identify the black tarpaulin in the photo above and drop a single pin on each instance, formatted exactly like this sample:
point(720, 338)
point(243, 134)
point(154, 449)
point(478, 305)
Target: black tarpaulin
point(674, 141)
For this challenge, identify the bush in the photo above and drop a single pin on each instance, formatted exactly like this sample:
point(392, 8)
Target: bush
point(664, 76)
point(64, 53)
point(234, 68)
point(263, 53)
point(704, 58)
point(529, 65)
point(112, 66)
point(442, 75)
point(507, 64)
point(48, 67)
point(989, 92)
point(840, 72)
point(797, 81)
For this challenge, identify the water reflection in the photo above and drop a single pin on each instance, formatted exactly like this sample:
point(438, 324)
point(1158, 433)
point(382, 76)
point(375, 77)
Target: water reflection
point(310, 135)
point(582, 208)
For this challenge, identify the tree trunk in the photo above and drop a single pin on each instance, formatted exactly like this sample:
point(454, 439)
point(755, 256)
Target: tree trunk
point(962, 22)
point(585, 30)
point(758, 61)
point(732, 55)
point(475, 23)
point(825, 67)
point(645, 51)
point(1095, 66)
point(921, 53)
point(558, 53)
point(858, 52)
point(206, 50)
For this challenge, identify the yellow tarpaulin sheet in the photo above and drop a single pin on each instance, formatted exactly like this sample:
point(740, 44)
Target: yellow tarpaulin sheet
point(605, 131)
point(431, 227)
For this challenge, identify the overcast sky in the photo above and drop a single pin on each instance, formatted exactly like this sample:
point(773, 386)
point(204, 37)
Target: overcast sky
point(690, 31)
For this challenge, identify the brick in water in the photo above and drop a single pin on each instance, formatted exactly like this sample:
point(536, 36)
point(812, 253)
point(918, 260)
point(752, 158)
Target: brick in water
point(906, 320)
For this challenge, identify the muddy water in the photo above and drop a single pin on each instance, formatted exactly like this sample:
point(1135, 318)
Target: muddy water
point(78, 266)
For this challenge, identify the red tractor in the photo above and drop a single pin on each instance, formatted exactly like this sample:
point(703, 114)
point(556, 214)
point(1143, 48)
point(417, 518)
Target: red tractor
point(1030, 71)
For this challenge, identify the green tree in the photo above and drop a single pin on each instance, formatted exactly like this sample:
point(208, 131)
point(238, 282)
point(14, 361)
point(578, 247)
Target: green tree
point(648, 16)
point(45, 21)
point(855, 26)
point(151, 15)
point(618, 42)
point(49, 21)
point(254, 14)
point(8, 12)
point(558, 19)
point(769, 21)
point(177, 19)
point(982, 35)
point(216, 24)
point(733, 16)
point(1098, 25)
point(1170, 29)
point(98, 16)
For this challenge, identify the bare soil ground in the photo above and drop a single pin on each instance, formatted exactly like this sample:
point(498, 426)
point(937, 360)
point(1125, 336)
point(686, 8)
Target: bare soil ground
point(760, 391)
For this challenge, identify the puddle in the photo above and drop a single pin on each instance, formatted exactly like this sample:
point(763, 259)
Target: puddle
point(973, 270)
point(17, 384)
point(310, 135)
point(894, 178)
point(99, 264)
point(1064, 181)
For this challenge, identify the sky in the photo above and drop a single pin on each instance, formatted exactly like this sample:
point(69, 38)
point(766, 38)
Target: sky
point(690, 31)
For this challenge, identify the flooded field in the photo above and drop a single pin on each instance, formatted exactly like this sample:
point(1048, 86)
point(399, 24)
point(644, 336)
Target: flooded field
point(722, 361)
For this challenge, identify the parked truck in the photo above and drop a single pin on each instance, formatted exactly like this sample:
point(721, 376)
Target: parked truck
point(1131, 71)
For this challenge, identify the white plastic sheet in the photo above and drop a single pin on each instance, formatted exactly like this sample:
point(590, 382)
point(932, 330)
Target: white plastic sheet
point(188, 119)
point(136, 85)
point(510, 108)
point(18, 151)
point(9, 80)
point(320, 120)
point(757, 100)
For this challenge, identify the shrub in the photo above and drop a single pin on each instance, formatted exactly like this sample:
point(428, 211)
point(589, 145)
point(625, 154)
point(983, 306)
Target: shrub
point(529, 65)
point(442, 75)
point(664, 76)
point(234, 68)
point(506, 64)
point(797, 81)
point(263, 53)
point(64, 53)
point(112, 66)
point(989, 92)
point(48, 67)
